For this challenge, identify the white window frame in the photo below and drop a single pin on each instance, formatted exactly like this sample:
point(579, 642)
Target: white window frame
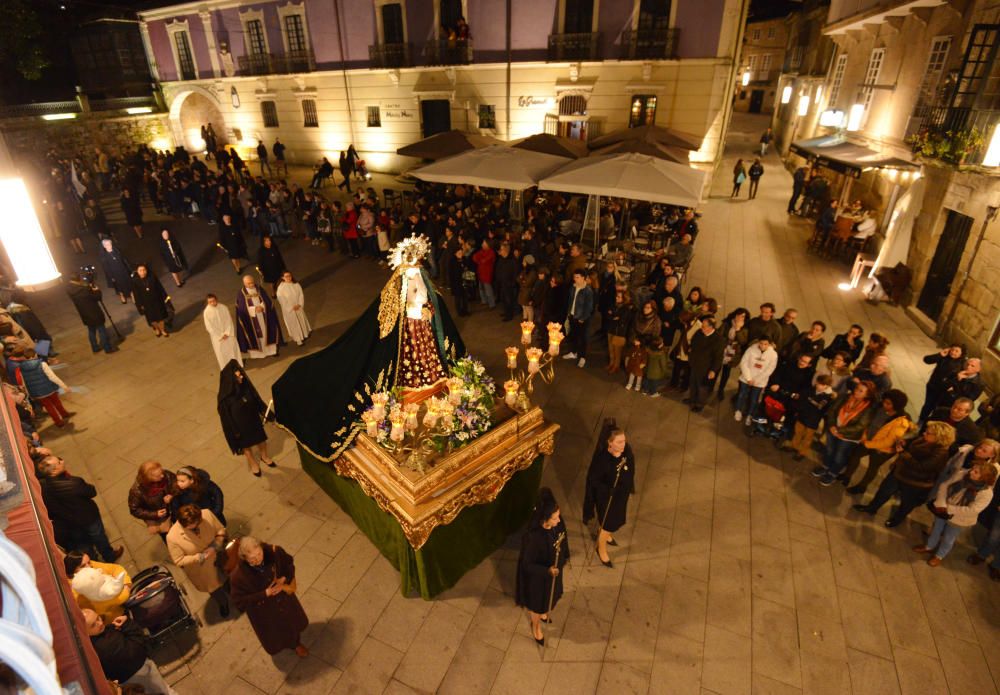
point(247, 16)
point(755, 34)
point(765, 62)
point(562, 15)
point(836, 80)
point(872, 73)
point(937, 59)
point(437, 16)
point(368, 114)
point(286, 10)
point(752, 62)
point(175, 27)
point(380, 28)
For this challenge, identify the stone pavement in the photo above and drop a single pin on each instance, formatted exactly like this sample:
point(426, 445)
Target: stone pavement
point(736, 573)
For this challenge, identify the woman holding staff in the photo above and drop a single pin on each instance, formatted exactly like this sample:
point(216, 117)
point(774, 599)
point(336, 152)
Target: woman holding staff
point(610, 480)
point(544, 553)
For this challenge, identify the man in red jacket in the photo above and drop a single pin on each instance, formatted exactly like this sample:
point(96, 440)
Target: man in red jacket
point(485, 259)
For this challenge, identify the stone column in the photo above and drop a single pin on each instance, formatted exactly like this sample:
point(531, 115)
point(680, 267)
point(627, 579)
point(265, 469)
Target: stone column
point(213, 51)
point(154, 69)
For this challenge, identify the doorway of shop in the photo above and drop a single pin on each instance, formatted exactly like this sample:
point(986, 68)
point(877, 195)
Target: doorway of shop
point(756, 100)
point(944, 265)
point(436, 116)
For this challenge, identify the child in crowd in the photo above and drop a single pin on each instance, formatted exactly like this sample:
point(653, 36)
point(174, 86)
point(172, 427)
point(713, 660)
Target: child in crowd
point(657, 366)
point(635, 364)
point(810, 411)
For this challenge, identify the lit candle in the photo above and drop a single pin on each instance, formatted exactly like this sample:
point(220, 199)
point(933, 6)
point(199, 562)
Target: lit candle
point(371, 424)
point(512, 357)
point(555, 337)
point(534, 355)
point(433, 413)
point(527, 329)
point(447, 411)
point(397, 418)
point(378, 405)
point(411, 410)
point(455, 390)
point(510, 392)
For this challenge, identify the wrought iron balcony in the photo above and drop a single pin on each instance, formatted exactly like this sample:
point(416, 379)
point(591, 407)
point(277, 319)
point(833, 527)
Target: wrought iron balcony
point(946, 125)
point(390, 55)
point(567, 47)
point(648, 44)
point(448, 52)
point(277, 63)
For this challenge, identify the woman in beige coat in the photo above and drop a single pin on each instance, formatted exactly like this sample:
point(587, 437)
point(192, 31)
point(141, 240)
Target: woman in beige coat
point(193, 543)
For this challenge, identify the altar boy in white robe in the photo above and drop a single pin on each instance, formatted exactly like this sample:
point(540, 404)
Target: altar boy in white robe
point(293, 307)
point(219, 325)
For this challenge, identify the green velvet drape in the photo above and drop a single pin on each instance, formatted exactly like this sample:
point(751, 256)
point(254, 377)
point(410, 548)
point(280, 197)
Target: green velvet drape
point(451, 550)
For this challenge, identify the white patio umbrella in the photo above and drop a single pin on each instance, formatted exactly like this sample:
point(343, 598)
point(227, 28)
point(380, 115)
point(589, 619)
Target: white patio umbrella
point(629, 175)
point(496, 166)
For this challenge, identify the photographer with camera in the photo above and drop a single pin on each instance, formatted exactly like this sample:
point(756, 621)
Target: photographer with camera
point(86, 297)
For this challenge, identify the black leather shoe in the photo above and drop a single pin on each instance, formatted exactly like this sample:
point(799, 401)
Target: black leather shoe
point(608, 564)
point(862, 508)
point(540, 642)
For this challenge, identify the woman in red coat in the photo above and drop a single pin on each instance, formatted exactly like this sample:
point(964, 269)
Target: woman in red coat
point(351, 231)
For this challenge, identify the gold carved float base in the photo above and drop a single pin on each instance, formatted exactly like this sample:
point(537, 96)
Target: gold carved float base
point(474, 474)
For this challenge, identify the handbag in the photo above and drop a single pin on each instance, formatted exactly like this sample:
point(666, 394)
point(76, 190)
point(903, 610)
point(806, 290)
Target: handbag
point(741, 177)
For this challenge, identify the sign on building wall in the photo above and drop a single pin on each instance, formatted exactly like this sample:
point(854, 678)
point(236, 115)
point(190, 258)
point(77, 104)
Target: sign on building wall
point(534, 102)
point(397, 110)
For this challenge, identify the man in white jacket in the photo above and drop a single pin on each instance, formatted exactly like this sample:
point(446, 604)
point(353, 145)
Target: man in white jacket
point(759, 361)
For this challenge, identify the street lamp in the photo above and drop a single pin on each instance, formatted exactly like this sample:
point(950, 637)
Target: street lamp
point(804, 105)
point(746, 78)
point(786, 94)
point(854, 117)
point(22, 238)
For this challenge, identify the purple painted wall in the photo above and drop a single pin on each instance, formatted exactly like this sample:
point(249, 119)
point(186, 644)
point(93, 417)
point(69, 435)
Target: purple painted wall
point(488, 24)
point(420, 25)
point(614, 18)
point(229, 29)
point(531, 23)
point(159, 41)
point(323, 37)
point(700, 22)
point(357, 21)
point(199, 45)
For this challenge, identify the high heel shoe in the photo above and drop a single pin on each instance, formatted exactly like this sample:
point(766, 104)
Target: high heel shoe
point(546, 620)
point(539, 642)
point(612, 541)
point(270, 464)
point(256, 474)
point(607, 563)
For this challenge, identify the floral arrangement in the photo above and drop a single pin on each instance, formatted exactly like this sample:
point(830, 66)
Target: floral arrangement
point(951, 146)
point(471, 390)
point(451, 421)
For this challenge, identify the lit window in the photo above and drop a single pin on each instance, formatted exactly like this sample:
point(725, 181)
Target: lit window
point(487, 116)
point(309, 117)
point(572, 105)
point(270, 113)
point(643, 111)
point(374, 117)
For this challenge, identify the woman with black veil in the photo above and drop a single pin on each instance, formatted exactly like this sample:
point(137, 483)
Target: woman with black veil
point(242, 412)
point(610, 481)
point(544, 553)
point(270, 263)
point(173, 256)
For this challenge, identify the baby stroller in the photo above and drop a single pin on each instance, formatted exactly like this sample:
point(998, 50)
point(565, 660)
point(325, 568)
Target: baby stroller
point(770, 420)
point(360, 170)
point(157, 603)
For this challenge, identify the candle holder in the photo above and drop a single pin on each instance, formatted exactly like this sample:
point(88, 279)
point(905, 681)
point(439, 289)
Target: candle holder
point(539, 364)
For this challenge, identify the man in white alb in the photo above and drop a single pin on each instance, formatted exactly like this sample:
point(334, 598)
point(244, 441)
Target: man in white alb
point(219, 325)
point(293, 307)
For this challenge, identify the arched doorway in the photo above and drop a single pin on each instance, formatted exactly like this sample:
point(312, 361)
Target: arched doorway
point(189, 111)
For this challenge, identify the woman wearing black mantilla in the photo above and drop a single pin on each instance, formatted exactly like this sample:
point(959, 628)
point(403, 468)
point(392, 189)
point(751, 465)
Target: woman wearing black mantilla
point(610, 481)
point(544, 552)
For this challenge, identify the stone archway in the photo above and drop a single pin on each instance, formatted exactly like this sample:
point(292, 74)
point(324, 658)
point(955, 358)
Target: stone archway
point(189, 110)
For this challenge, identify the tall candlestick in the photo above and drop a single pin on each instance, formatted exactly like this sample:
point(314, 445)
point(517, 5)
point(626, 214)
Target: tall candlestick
point(512, 357)
point(397, 418)
point(527, 330)
point(534, 355)
point(510, 388)
point(378, 405)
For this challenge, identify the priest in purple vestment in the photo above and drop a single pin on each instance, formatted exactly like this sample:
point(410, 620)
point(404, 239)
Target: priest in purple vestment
point(257, 330)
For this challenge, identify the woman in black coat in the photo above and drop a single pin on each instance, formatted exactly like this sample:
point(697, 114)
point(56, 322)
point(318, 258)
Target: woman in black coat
point(610, 481)
point(150, 299)
point(132, 207)
point(270, 264)
point(544, 552)
point(116, 269)
point(173, 256)
point(231, 241)
point(195, 486)
point(241, 412)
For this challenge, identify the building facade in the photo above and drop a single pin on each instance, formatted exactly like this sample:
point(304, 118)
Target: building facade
point(920, 79)
point(321, 74)
point(764, 45)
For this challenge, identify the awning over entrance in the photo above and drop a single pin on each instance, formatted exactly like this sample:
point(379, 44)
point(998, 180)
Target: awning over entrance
point(838, 153)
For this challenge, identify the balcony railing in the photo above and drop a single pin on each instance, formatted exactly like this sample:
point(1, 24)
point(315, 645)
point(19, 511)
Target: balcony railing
point(953, 124)
point(649, 44)
point(448, 52)
point(390, 55)
point(277, 64)
point(568, 47)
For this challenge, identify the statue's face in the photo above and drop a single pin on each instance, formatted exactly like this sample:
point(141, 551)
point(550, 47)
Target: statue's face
point(412, 272)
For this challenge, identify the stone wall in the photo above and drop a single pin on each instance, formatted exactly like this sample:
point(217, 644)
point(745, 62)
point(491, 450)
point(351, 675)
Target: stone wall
point(34, 137)
point(972, 310)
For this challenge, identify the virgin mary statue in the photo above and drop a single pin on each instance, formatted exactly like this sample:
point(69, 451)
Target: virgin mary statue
point(405, 339)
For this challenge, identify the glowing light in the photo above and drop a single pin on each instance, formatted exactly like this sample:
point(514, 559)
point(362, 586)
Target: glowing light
point(786, 94)
point(831, 118)
point(23, 239)
point(136, 110)
point(905, 176)
point(58, 116)
point(803, 104)
point(992, 157)
point(160, 144)
point(855, 116)
point(819, 94)
point(844, 286)
point(746, 78)
point(916, 175)
point(891, 174)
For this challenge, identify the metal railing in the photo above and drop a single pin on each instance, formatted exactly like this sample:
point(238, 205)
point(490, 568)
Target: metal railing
point(566, 47)
point(390, 55)
point(448, 52)
point(955, 121)
point(277, 63)
point(649, 44)
point(120, 103)
point(39, 109)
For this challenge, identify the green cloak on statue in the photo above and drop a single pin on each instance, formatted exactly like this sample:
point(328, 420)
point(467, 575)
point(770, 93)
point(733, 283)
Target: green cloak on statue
point(320, 397)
